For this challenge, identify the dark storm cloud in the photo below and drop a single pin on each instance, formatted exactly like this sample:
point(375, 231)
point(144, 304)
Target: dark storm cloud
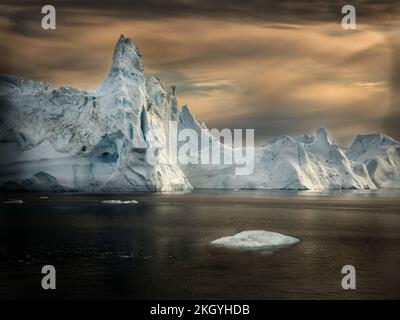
point(284, 11)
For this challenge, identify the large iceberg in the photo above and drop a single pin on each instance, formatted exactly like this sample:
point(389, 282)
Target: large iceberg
point(67, 139)
point(306, 163)
point(89, 140)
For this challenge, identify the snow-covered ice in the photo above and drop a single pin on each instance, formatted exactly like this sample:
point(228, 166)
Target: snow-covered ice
point(66, 139)
point(89, 140)
point(120, 201)
point(312, 163)
point(255, 239)
point(381, 155)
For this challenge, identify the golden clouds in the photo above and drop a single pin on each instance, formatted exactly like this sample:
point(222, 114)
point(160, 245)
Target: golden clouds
point(275, 77)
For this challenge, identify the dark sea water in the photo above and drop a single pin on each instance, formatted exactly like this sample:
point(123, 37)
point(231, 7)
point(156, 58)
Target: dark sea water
point(159, 248)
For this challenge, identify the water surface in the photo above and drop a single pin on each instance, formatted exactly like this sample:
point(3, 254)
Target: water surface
point(159, 248)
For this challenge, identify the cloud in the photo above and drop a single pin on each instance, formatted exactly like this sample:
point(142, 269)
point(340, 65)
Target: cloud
point(283, 11)
point(279, 67)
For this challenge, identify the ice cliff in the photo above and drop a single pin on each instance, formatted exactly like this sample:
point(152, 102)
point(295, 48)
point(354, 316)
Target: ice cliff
point(67, 139)
point(300, 163)
point(381, 155)
point(88, 140)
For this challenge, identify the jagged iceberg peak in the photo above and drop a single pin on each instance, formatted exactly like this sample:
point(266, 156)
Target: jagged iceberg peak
point(126, 56)
point(376, 140)
point(321, 134)
point(125, 82)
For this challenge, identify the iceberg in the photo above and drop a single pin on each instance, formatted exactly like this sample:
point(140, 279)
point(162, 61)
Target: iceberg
point(287, 163)
point(89, 140)
point(255, 239)
point(66, 139)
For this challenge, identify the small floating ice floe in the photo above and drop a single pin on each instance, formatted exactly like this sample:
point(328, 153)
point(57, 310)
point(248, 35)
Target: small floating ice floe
point(255, 239)
point(120, 202)
point(13, 201)
point(125, 256)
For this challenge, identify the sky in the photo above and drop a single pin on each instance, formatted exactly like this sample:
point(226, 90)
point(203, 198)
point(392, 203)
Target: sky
point(279, 67)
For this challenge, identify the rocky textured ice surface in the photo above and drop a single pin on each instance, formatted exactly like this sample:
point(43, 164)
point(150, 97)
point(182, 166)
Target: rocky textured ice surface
point(86, 140)
point(306, 163)
point(67, 139)
point(381, 155)
point(255, 239)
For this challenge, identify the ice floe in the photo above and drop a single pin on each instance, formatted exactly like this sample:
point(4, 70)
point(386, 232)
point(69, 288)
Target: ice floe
point(255, 239)
point(16, 201)
point(120, 202)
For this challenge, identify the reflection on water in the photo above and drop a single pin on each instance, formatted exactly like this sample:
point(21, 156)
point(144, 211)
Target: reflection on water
point(159, 248)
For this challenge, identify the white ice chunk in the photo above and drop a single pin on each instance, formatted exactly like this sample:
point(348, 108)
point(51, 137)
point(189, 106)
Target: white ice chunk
point(255, 239)
point(16, 201)
point(120, 202)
